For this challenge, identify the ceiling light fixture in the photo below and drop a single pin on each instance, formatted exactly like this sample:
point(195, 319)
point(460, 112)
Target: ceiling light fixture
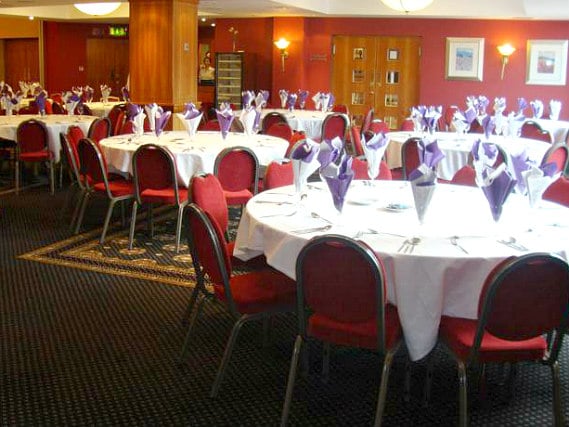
point(97, 9)
point(407, 5)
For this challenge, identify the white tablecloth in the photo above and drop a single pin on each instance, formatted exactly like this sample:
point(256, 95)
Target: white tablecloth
point(437, 278)
point(557, 128)
point(192, 156)
point(457, 148)
point(55, 123)
point(101, 109)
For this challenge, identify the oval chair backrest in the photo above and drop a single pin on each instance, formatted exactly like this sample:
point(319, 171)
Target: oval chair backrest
point(278, 174)
point(100, 129)
point(207, 193)
point(410, 156)
point(92, 162)
point(31, 135)
point(340, 279)
point(378, 126)
point(270, 119)
point(525, 297)
point(207, 246)
point(558, 154)
point(355, 134)
point(126, 128)
point(334, 125)
point(154, 168)
point(280, 130)
point(74, 135)
point(57, 108)
point(237, 168)
point(117, 115)
point(533, 130)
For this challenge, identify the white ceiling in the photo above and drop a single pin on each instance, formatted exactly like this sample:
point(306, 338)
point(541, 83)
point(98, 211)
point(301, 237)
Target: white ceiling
point(484, 9)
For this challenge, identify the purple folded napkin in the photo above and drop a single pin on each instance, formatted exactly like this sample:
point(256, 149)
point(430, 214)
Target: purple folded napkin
point(499, 105)
point(488, 124)
point(426, 118)
point(520, 163)
point(497, 185)
point(190, 111)
point(283, 95)
point(429, 153)
point(536, 108)
point(225, 118)
point(325, 99)
point(483, 103)
point(304, 162)
point(136, 115)
point(191, 118)
point(462, 120)
point(291, 101)
point(329, 152)
point(338, 178)
point(374, 150)
point(247, 97)
point(261, 99)
point(331, 101)
point(40, 101)
point(160, 120)
point(484, 154)
point(125, 94)
point(302, 97)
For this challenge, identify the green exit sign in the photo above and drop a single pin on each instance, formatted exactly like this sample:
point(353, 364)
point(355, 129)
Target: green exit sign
point(118, 31)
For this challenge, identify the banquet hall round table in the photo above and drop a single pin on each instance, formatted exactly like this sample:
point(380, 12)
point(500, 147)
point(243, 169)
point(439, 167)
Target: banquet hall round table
point(196, 155)
point(101, 109)
point(442, 273)
point(307, 121)
point(456, 149)
point(55, 124)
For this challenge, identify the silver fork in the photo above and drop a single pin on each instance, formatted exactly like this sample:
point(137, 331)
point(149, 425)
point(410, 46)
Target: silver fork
point(454, 242)
point(279, 214)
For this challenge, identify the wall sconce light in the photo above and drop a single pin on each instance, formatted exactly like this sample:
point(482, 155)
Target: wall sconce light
point(505, 50)
point(282, 45)
point(97, 9)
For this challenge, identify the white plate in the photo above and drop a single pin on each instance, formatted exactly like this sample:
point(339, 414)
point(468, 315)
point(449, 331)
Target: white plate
point(364, 201)
point(397, 207)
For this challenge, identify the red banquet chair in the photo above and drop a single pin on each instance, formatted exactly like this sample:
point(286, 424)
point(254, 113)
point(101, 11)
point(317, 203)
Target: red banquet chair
point(558, 154)
point(270, 119)
point(32, 146)
point(100, 129)
point(504, 332)
point(257, 295)
point(408, 125)
point(237, 169)
point(533, 130)
point(465, 176)
point(280, 130)
point(72, 158)
point(356, 140)
point(278, 174)
point(95, 178)
point(558, 192)
point(211, 125)
point(378, 126)
point(155, 182)
point(117, 116)
point(409, 159)
point(359, 166)
point(343, 304)
point(335, 125)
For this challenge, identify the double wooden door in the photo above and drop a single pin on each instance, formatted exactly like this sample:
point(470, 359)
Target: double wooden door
point(378, 72)
point(107, 63)
point(21, 61)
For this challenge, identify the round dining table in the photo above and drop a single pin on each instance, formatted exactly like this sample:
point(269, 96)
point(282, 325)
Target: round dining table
point(456, 149)
point(55, 123)
point(101, 109)
point(432, 269)
point(307, 121)
point(192, 155)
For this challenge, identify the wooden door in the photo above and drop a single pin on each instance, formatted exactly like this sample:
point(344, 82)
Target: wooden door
point(21, 61)
point(378, 72)
point(107, 63)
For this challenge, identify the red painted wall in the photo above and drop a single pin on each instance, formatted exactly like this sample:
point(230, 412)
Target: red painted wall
point(309, 64)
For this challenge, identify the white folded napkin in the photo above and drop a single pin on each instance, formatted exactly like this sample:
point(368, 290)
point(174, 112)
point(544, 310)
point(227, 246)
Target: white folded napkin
point(554, 109)
point(191, 124)
point(138, 124)
point(249, 120)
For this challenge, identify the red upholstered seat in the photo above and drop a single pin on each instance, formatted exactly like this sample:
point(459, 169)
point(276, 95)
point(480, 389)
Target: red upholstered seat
point(270, 119)
point(378, 126)
point(533, 130)
point(341, 299)
point(32, 146)
point(278, 174)
point(335, 125)
point(93, 167)
point(465, 176)
point(280, 130)
point(558, 192)
point(252, 296)
point(117, 117)
point(211, 125)
point(409, 156)
point(155, 179)
point(237, 169)
point(100, 129)
point(359, 166)
point(522, 300)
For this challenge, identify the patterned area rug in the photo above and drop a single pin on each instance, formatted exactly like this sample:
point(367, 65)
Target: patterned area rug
point(151, 258)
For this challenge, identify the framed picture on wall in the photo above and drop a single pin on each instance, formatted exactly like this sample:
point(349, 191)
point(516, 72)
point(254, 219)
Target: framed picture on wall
point(464, 58)
point(546, 62)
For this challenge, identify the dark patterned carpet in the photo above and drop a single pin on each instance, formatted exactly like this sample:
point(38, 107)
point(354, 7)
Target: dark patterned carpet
point(100, 347)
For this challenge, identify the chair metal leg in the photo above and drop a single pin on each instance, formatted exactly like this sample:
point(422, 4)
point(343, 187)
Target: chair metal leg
point(179, 227)
point(428, 381)
point(557, 404)
point(407, 381)
point(193, 322)
point(51, 177)
point(190, 308)
point(75, 215)
point(291, 379)
point(150, 220)
point(17, 176)
point(107, 220)
point(388, 360)
point(132, 224)
point(326, 361)
point(462, 395)
point(227, 353)
point(82, 211)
